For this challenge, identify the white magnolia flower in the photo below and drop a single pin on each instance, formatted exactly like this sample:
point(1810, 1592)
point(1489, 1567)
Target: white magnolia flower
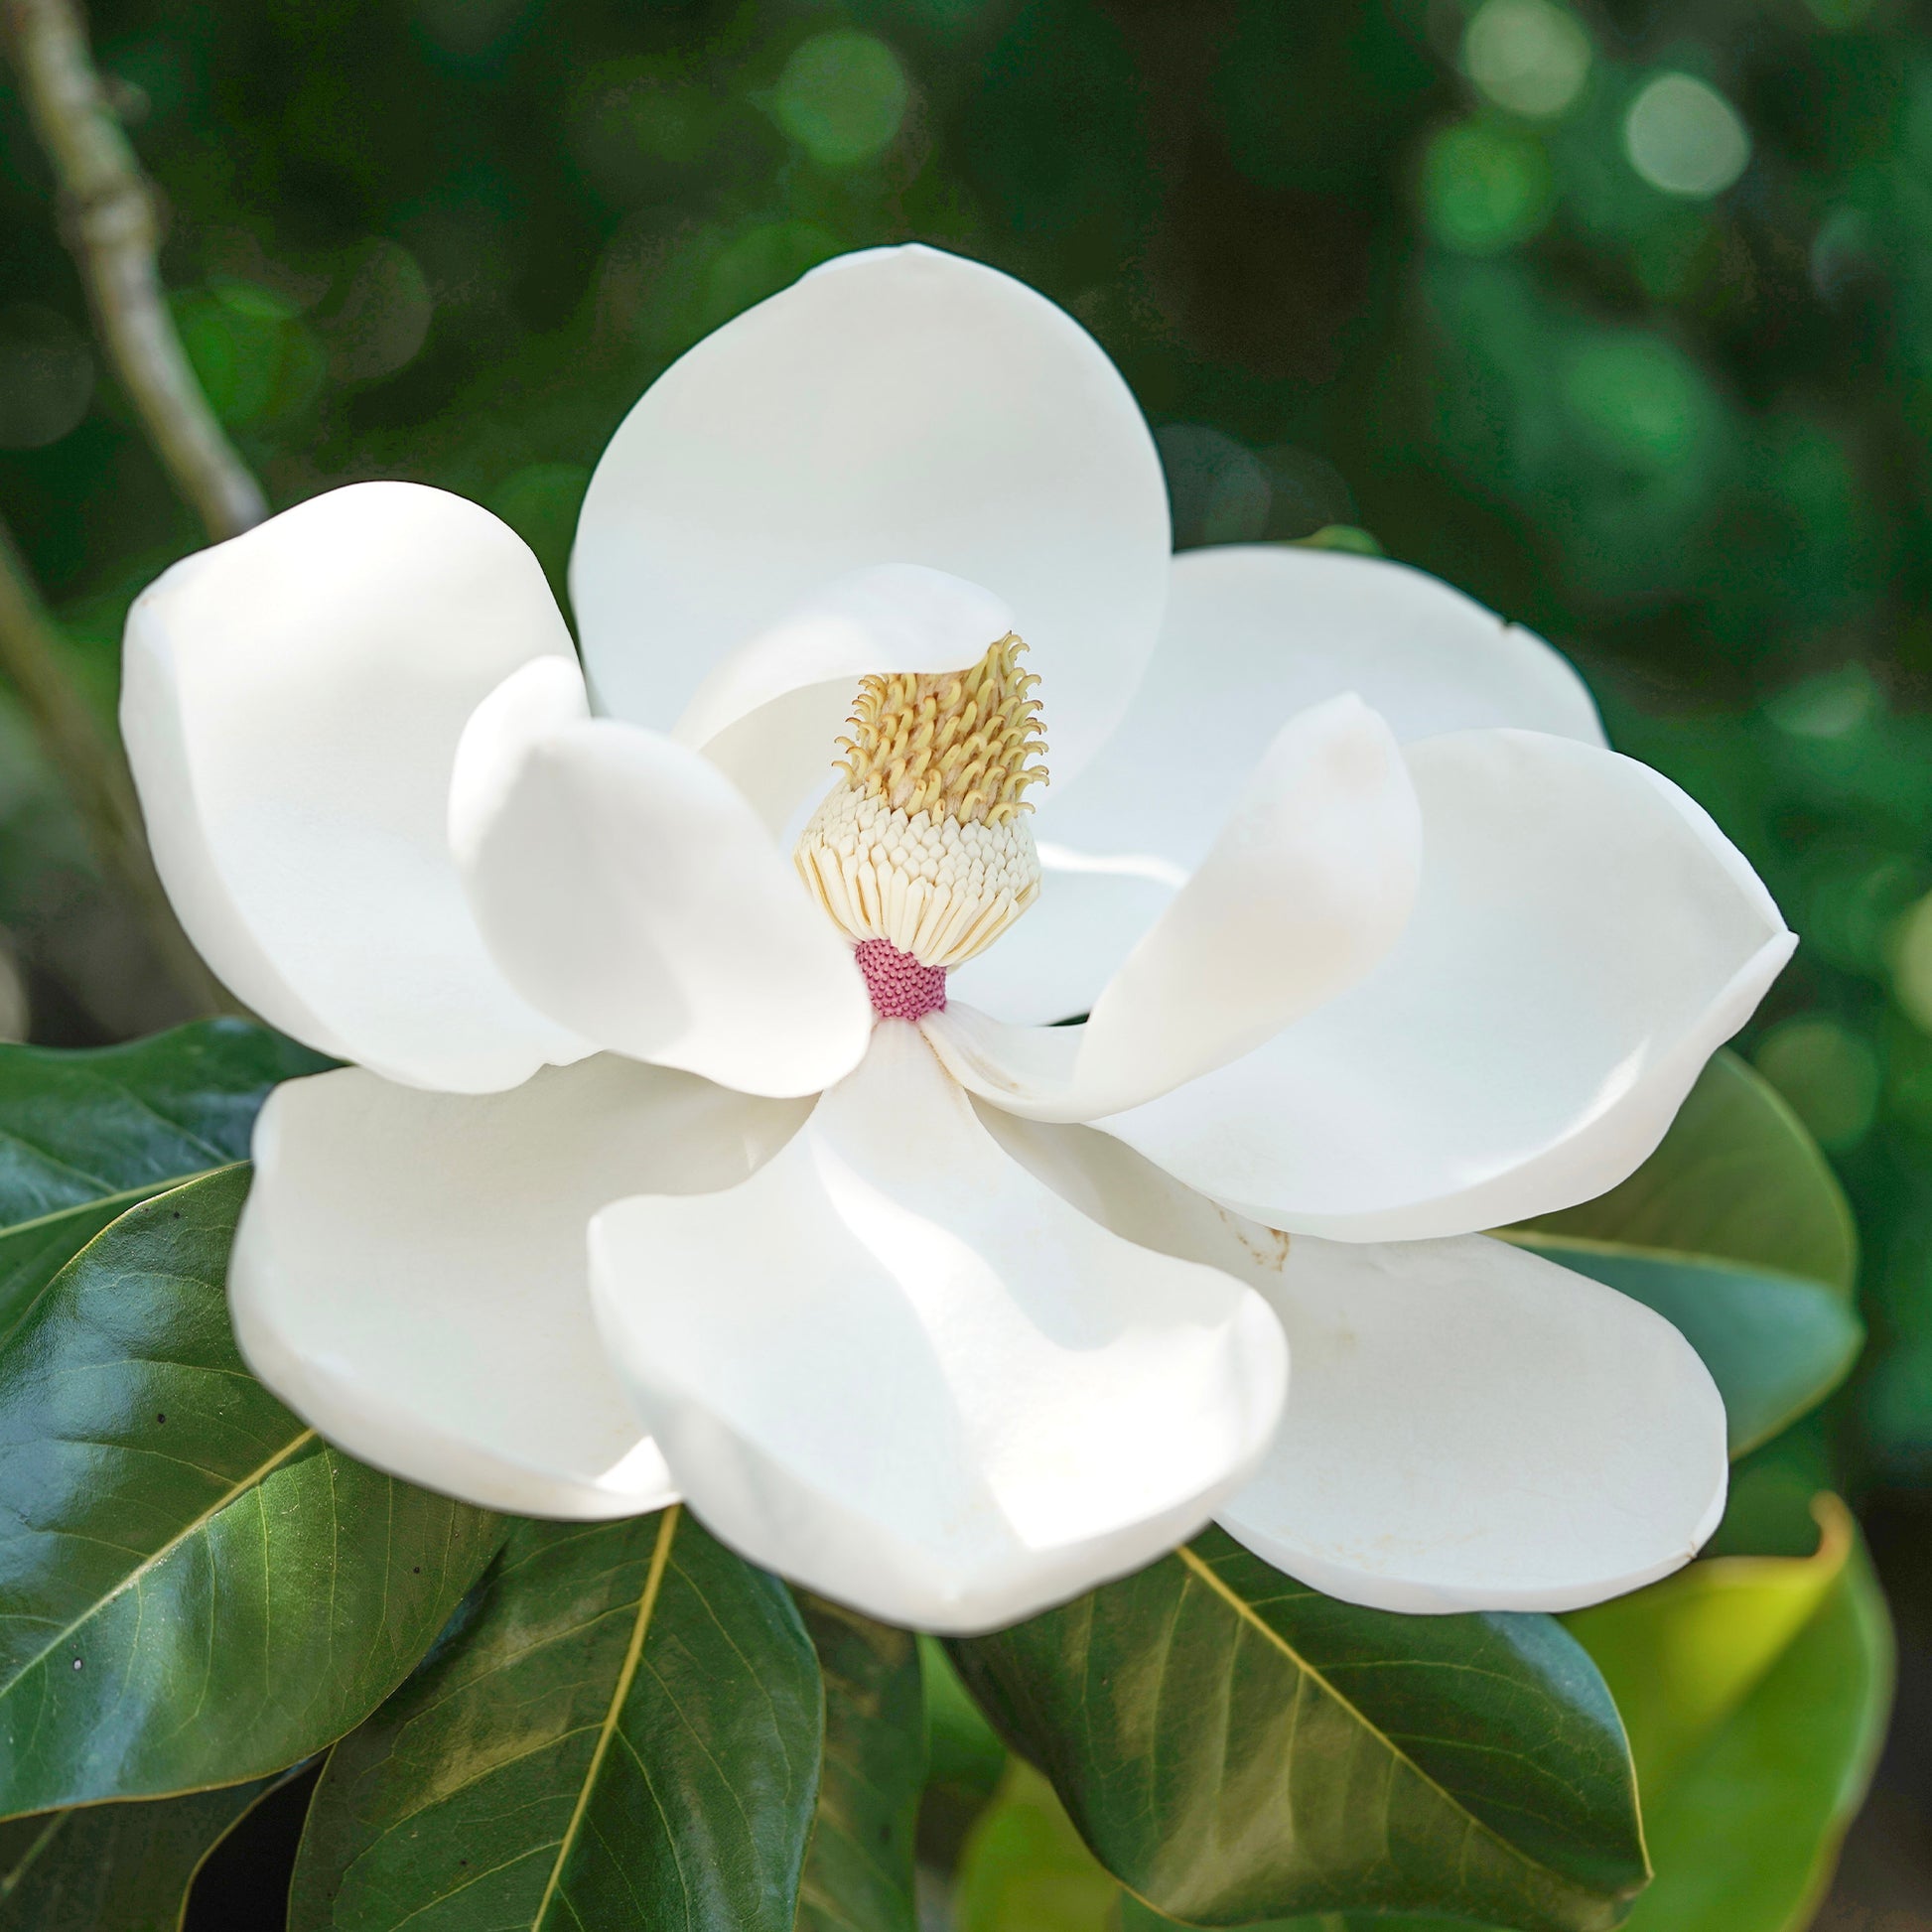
point(631, 1194)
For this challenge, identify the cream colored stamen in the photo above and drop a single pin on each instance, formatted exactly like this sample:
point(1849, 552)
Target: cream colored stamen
point(925, 843)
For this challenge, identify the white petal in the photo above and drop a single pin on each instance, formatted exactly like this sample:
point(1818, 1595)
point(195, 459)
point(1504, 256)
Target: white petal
point(1474, 1428)
point(899, 406)
point(1585, 938)
point(1253, 634)
point(409, 1273)
point(292, 701)
point(1471, 1427)
point(1308, 885)
point(771, 716)
point(629, 891)
point(899, 1369)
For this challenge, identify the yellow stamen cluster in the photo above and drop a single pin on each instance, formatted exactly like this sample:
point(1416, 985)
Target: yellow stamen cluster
point(926, 844)
point(957, 746)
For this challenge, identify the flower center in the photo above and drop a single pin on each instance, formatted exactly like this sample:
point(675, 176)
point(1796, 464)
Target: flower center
point(922, 852)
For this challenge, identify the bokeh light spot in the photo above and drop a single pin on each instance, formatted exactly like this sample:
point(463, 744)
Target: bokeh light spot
point(1485, 188)
point(1832, 704)
point(1638, 398)
point(377, 321)
point(47, 376)
point(1829, 1075)
point(1527, 56)
point(1682, 136)
point(1221, 492)
point(842, 97)
point(1911, 963)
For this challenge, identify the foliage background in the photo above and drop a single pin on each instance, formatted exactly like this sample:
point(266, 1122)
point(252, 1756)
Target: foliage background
point(1683, 435)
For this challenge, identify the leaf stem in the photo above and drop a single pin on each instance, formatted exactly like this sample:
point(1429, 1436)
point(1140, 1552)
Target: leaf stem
point(108, 222)
point(88, 760)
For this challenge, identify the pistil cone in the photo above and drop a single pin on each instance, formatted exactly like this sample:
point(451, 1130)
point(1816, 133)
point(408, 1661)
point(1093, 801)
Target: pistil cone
point(925, 844)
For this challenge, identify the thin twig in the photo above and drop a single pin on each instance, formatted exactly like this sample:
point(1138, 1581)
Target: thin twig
point(109, 224)
point(90, 761)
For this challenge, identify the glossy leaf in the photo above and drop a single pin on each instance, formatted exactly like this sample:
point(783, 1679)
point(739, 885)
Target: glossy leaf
point(1235, 1746)
point(1736, 1178)
point(858, 1871)
point(194, 1590)
point(84, 1136)
point(1756, 1690)
point(1775, 1344)
point(116, 1868)
point(623, 1734)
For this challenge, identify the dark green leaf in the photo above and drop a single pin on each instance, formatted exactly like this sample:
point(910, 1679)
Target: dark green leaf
point(1775, 1344)
point(194, 1590)
point(1738, 1178)
point(858, 1871)
point(625, 1735)
point(115, 1868)
point(84, 1135)
point(1236, 1746)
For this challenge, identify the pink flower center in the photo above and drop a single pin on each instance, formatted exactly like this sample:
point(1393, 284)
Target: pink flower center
point(900, 988)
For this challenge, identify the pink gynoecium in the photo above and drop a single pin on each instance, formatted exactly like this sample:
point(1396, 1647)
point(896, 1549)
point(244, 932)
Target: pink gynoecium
point(900, 988)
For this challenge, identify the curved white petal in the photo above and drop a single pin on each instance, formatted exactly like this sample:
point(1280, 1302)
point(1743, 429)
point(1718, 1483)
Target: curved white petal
point(629, 891)
point(1585, 938)
point(901, 1371)
point(291, 702)
point(898, 406)
point(771, 716)
point(1253, 634)
point(1307, 886)
point(1471, 1426)
point(1474, 1428)
point(409, 1273)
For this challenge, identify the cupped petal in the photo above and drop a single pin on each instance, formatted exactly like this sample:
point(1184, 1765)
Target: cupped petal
point(1253, 634)
point(409, 1273)
point(630, 891)
point(899, 1369)
point(1307, 886)
point(292, 702)
point(1472, 1428)
point(1584, 940)
point(897, 406)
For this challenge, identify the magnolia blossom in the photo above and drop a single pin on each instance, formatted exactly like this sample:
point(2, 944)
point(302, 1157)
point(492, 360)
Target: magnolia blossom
point(714, 1127)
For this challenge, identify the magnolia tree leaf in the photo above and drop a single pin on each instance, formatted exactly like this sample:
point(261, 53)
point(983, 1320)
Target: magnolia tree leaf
point(1736, 1231)
point(1775, 1344)
point(858, 1871)
point(623, 1734)
point(194, 1590)
point(116, 1868)
point(1756, 1690)
point(1235, 1748)
point(1736, 1178)
point(84, 1135)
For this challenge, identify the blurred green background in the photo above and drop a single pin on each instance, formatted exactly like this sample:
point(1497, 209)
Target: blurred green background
point(1619, 315)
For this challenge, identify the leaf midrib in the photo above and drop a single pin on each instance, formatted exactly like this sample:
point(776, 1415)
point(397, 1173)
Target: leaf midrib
point(122, 1202)
point(116, 1197)
point(252, 1480)
point(1248, 1615)
point(660, 1557)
